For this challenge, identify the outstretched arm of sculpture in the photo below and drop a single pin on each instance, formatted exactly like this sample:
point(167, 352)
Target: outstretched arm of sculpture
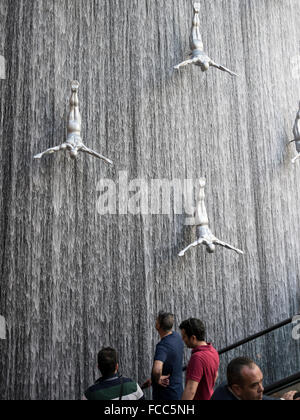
point(222, 68)
point(225, 245)
point(193, 245)
point(187, 62)
point(95, 154)
point(56, 149)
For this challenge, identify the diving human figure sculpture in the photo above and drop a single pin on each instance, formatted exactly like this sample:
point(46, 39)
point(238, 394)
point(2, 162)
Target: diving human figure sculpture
point(296, 132)
point(74, 143)
point(204, 234)
point(198, 56)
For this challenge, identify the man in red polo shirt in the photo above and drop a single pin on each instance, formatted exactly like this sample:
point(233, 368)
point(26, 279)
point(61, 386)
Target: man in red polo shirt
point(202, 370)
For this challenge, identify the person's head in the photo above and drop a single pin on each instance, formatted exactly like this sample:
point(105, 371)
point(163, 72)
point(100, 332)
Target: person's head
point(164, 322)
point(205, 65)
point(245, 379)
point(108, 363)
point(211, 248)
point(193, 332)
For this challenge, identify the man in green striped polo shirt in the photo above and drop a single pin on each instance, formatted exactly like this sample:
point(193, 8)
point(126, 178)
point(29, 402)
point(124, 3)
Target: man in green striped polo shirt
point(111, 386)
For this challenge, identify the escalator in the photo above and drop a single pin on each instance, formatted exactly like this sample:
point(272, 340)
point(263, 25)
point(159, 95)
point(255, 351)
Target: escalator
point(278, 389)
point(271, 338)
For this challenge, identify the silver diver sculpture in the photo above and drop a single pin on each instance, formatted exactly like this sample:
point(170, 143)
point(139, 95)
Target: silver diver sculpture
point(296, 132)
point(74, 143)
point(204, 234)
point(198, 55)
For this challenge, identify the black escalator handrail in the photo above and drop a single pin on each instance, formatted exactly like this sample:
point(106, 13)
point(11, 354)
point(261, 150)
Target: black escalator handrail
point(255, 336)
point(285, 383)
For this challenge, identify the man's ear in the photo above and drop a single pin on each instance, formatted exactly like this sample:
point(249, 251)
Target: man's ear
point(194, 339)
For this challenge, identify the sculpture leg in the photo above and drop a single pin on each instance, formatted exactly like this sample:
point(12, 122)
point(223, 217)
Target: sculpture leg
point(196, 38)
point(201, 217)
point(74, 122)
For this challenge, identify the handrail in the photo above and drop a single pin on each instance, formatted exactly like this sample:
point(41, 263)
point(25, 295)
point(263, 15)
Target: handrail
point(278, 386)
point(255, 336)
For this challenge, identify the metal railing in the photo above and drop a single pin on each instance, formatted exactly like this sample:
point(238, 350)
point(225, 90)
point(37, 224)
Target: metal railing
point(255, 336)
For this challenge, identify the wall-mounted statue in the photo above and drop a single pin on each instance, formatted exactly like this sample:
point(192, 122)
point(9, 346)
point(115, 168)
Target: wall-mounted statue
point(296, 132)
point(204, 234)
point(74, 143)
point(198, 56)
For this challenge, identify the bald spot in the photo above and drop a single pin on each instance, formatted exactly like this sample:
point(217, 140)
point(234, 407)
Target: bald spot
point(252, 375)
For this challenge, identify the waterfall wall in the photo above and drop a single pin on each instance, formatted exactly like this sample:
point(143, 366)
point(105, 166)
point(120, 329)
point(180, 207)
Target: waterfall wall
point(74, 280)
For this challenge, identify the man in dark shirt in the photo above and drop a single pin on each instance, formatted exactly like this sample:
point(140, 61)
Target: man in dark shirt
point(111, 386)
point(167, 378)
point(202, 370)
point(244, 383)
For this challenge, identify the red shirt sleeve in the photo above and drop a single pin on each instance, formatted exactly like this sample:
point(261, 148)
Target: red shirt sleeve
point(195, 369)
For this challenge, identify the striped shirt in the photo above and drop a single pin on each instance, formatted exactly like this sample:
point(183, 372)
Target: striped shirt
point(110, 389)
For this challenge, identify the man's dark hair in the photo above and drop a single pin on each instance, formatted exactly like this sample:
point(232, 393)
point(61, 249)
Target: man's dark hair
point(166, 321)
point(107, 361)
point(234, 370)
point(194, 327)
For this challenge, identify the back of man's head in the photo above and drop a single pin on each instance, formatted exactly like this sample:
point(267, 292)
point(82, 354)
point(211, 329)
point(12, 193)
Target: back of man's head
point(107, 362)
point(166, 321)
point(235, 370)
point(194, 327)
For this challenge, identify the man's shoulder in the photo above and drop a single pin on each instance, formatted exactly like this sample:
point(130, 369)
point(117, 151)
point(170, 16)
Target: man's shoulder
point(103, 384)
point(132, 390)
point(204, 354)
point(176, 339)
point(110, 390)
point(171, 340)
